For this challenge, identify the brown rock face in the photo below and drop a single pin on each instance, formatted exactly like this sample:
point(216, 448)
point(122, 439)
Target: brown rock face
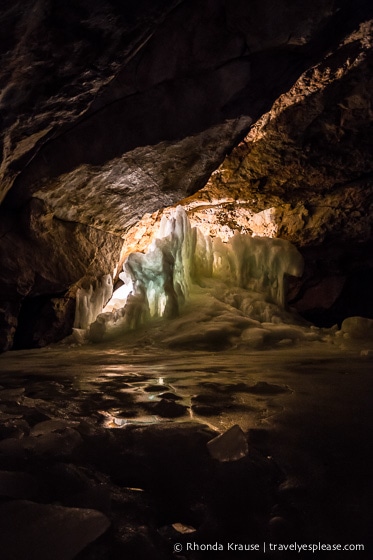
point(308, 157)
point(305, 168)
point(112, 109)
point(41, 258)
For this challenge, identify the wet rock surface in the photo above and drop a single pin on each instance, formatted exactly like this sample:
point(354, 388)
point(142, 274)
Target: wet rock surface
point(167, 408)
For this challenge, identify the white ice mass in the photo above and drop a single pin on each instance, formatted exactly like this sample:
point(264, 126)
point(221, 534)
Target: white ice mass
point(213, 294)
point(89, 302)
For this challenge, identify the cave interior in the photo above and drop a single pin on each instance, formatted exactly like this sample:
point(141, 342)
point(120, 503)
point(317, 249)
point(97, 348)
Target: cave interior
point(186, 318)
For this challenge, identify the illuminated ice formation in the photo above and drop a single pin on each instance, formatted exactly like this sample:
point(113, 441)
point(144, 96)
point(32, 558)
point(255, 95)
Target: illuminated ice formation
point(90, 301)
point(213, 290)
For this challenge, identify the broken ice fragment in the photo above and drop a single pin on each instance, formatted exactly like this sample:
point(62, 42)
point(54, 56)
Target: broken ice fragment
point(229, 446)
point(184, 529)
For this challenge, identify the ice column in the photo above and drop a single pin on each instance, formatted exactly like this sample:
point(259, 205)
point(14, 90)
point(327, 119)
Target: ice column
point(163, 274)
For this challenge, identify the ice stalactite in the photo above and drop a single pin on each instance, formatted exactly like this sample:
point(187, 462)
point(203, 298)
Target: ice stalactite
point(257, 264)
point(211, 286)
point(90, 301)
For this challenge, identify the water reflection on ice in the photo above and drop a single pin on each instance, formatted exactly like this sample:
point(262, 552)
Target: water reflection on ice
point(112, 387)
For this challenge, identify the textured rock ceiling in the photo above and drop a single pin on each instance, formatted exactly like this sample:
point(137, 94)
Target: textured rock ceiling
point(113, 109)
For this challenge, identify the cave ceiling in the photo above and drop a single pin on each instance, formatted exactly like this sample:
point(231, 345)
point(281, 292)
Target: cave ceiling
point(112, 109)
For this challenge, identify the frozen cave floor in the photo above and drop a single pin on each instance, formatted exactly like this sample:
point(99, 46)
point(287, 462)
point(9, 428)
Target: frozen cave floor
point(104, 454)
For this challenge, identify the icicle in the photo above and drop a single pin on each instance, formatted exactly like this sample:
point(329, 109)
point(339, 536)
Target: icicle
point(90, 302)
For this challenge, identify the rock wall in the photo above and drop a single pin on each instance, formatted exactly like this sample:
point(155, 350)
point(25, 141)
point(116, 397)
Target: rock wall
point(111, 110)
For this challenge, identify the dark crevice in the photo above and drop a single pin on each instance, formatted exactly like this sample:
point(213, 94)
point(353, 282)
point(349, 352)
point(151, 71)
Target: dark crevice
point(354, 300)
point(39, 323)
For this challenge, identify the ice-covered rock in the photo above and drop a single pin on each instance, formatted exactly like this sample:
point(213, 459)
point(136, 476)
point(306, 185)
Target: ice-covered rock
point(47, 444)
point(358, 327)
point(49, 426)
